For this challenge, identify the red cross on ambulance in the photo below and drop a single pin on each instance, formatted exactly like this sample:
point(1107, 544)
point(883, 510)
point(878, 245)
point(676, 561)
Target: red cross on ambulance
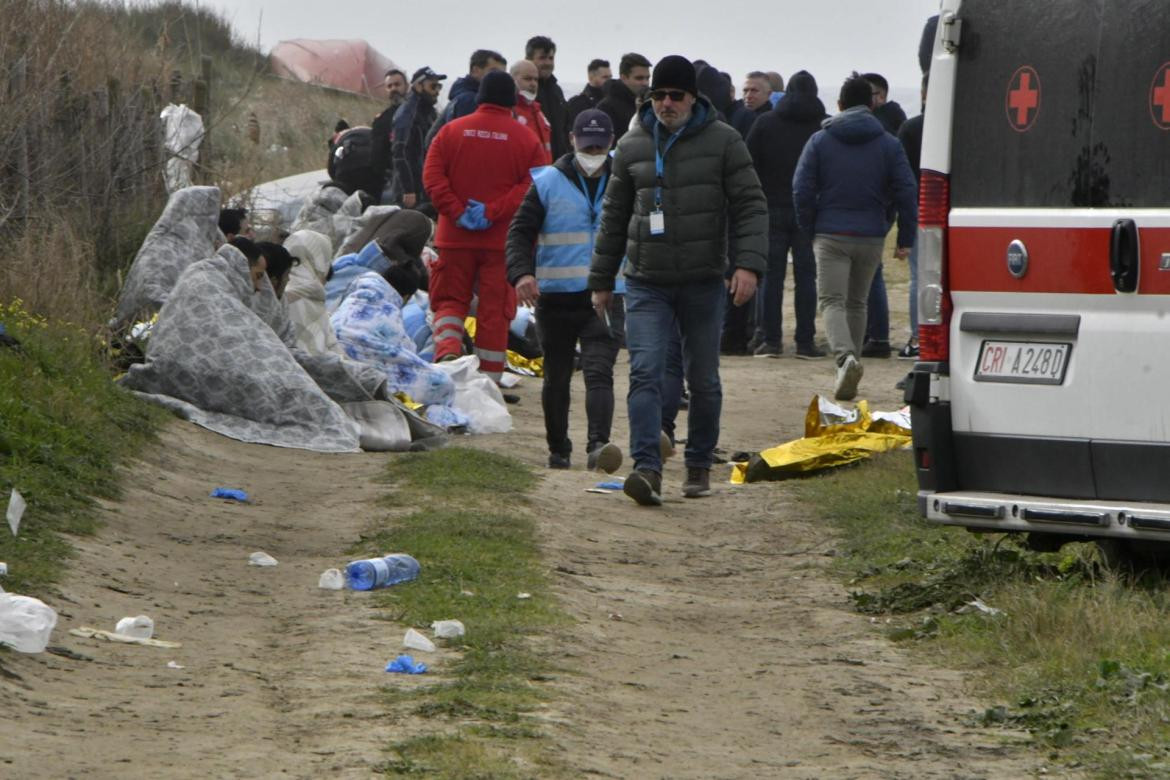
point(1023, 98)
point(1160, 97)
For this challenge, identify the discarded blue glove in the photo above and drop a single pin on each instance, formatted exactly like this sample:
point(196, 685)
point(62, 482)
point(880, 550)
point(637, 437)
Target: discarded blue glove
point(473, 217)
point(611, 485)
point(404, 664)
point(229, 493)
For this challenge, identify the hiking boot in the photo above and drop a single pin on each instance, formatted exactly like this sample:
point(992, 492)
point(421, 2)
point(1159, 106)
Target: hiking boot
point(876, 349)
point(645, 487)
point(908, 352)
point(604, 457)
point(848, 375)
point(665, 446)
point(698, 483)
point(558, 461)
point(767, 350)
point(810, 352)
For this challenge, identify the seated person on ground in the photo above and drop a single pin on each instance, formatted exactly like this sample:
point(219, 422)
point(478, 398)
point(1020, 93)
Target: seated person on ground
point(278, 264)
point(234, 222)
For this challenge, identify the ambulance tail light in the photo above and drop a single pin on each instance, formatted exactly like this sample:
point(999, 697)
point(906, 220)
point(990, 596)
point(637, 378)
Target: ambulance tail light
point(934, 302)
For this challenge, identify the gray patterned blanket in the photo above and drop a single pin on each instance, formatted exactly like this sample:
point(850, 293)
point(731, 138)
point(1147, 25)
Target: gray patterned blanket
point(215, 357)
point(185, 232)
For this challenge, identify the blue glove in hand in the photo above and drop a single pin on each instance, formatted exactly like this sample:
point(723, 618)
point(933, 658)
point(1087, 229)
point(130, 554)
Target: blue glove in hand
point(473, 217)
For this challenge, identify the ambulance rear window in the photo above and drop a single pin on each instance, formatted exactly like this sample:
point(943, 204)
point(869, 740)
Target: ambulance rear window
point(1058, 105)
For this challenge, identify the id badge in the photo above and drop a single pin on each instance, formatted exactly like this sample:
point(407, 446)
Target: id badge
point(657, 223)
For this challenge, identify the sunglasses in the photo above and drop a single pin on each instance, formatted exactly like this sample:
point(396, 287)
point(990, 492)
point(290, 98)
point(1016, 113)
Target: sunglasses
point(677, 95)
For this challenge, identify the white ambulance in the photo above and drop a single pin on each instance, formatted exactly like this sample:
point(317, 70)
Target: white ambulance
point(1042, 400)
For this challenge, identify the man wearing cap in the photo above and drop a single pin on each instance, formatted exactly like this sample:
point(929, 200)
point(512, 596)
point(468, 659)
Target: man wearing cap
point(477, 173)
point(559, 219)
point(682, 184)
point(412, 120)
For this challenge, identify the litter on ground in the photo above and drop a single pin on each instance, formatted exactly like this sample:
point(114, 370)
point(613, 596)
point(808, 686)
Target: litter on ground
point(88, 632)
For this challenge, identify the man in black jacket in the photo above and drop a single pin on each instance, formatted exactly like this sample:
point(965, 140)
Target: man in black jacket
point(542, 52)
point(776, 141)
point(621, 95)
point(757, 93)
point(411, 123)
point(550, 242)
point(682, 184)
point(382, 130)
point(598, 73)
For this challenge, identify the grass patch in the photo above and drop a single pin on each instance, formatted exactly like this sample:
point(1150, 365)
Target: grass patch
point(64, 426)
point(476, 558)
point(1080, 656)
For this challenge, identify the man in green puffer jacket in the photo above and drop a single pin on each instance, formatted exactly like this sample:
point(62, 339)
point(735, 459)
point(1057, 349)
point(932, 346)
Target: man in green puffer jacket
point(682, 182)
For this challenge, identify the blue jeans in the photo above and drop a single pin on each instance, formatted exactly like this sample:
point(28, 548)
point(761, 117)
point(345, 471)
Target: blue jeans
point(651, 313)
point(784, 235)
point(877, 318)
point(672, 383)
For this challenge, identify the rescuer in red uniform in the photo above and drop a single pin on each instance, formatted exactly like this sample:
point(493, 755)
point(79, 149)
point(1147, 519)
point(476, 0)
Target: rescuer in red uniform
point(477, 173)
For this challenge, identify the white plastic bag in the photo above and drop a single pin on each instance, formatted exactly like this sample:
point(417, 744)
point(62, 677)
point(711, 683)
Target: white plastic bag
point(448, 629)
point(416, 641)
point(477, 396)
point(331, 579)
point(182, 134)
point(260, 558)
point(140, 627)
point(25, 623)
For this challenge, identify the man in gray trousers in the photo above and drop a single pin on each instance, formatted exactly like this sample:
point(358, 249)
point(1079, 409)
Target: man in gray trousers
point(851, 177)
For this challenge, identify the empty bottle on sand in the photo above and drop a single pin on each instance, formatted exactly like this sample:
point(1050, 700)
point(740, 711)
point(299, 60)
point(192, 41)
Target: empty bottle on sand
point(373, 573)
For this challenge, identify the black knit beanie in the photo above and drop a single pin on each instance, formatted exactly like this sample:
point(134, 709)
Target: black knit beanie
point(497, 88)
point(675, 72)
point(802, 83)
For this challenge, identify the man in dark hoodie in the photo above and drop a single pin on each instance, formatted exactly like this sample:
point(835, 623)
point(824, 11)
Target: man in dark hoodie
point(550, 243)
point(461, 98)
point(887, 111)
point(681, 184)
point(598, 73)
point(542, 52)
point(776, 140)
point(849, 176)
point(621, 94)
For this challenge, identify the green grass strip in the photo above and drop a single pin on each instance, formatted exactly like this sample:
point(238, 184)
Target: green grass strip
point(1079, 657)
point(64, 428)
point(477, 546)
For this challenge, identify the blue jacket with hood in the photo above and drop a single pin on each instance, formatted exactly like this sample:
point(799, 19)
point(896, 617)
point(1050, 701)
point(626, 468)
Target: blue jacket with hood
point(849, 177)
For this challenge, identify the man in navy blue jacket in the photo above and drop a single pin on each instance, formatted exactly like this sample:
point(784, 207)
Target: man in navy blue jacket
point(849, 176)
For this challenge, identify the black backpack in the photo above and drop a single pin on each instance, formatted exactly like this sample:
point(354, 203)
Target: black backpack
point(352, 158)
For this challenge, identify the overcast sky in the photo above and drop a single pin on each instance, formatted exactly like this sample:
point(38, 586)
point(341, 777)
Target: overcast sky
point(829, 38)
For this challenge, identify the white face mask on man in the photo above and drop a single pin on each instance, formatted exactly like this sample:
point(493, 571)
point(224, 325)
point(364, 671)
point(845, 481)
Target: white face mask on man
point(591, 163)
point(529, 96)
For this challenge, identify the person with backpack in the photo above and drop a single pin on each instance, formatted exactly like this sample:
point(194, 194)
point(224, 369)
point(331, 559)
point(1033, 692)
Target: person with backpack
point(411, 123)
point(351, 163)
point(550, 243)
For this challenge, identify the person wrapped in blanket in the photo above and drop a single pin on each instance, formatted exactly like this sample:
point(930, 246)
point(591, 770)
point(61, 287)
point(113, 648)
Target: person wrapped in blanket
point(365, 298)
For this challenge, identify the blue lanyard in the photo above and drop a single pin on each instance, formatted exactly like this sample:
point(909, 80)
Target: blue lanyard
point(595, 204)
point(658, 164)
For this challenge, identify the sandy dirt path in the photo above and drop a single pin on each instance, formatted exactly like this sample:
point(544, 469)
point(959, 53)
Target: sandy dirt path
point(711, 643)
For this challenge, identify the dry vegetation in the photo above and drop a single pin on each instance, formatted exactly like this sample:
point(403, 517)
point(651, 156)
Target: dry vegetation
point(80, 146)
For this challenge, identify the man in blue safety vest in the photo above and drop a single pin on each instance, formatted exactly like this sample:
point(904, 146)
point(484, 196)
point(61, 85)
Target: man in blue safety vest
point(550, 244)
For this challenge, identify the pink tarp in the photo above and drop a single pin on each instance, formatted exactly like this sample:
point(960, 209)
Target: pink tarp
point(353, 65)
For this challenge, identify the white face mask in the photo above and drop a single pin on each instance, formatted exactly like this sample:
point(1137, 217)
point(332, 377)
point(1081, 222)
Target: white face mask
point(591, 163)
point(529, 96)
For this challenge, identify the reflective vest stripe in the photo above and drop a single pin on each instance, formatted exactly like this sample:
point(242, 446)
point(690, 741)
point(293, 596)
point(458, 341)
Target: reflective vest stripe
point(561, 272)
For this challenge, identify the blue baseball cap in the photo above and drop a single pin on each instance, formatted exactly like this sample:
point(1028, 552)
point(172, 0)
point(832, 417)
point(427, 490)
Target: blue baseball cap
point(593, 127)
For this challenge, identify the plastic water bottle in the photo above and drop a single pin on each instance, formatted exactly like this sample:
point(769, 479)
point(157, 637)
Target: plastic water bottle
point(375, 573)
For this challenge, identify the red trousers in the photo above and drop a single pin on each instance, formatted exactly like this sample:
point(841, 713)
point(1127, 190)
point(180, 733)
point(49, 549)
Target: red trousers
point(457, 276)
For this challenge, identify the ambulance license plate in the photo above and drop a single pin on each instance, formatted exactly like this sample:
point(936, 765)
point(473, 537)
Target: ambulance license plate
point(1025, 362)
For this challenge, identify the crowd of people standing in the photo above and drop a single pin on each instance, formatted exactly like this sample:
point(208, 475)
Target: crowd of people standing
point(653, 210)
